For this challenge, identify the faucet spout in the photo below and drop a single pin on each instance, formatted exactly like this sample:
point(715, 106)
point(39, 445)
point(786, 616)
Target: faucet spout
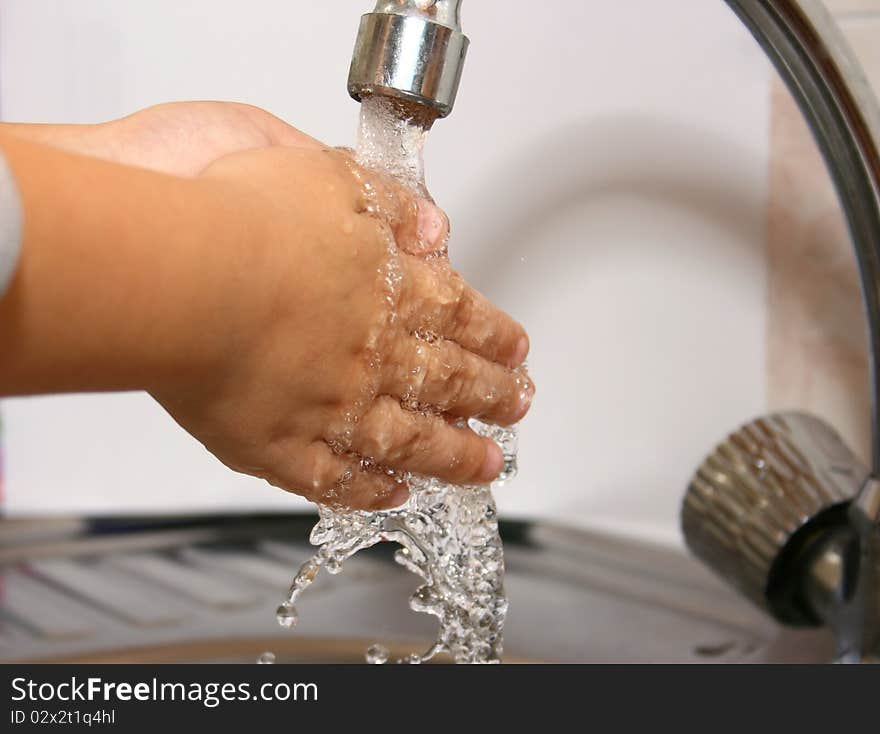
point(410, 50)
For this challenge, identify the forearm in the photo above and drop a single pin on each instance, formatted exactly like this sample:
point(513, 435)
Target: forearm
point(91, 140)
point(111, 275)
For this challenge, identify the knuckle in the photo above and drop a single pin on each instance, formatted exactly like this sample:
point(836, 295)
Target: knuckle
point(463, 309)
point(418, 371)
point(456, 388)
point(378, 431)
point(411, 445)
point(458, 382)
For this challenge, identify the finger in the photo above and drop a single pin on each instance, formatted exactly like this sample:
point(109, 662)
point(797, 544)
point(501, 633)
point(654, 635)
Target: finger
point(321, 475)
point(419, 226)
point(278, 132)
point(425, 444)
point(431, 230)
point(455, 381)
point(436, 300)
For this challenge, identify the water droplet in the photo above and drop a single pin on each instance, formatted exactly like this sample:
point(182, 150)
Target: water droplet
point(267, 658)
point(333, 566)
point(287, 615)
point(423, 600)
point(377, 655)
point(306, 574)
point(762, 468)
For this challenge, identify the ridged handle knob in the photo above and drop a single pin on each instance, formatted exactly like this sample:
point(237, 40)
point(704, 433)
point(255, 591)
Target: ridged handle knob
point(761, 497)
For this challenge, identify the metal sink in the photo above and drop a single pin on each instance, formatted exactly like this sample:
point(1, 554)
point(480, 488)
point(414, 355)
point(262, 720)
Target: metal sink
point(205, 589)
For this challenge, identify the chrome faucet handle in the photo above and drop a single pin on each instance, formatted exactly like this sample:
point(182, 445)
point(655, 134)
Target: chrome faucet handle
point(411, 50)
point(772, 511)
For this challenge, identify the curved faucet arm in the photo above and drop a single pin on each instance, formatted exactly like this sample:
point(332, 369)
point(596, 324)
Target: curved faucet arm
point(802, 40)
point(828, 84)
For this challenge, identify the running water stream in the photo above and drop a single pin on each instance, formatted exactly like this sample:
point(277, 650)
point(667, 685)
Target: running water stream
point(448, 534)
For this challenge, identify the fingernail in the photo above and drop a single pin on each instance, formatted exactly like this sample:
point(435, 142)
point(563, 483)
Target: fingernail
point(432, 227)
point(399, 496)
point(525, 399)
point(492, 464)
point(522, 351)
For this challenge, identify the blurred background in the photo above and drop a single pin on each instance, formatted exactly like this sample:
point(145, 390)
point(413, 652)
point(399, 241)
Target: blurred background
point(637, 188)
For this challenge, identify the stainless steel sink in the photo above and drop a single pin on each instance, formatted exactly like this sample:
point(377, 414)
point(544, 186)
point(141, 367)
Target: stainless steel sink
point(205, 589)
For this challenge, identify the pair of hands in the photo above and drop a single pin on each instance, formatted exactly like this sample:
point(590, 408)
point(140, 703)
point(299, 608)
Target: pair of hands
point(339, 353)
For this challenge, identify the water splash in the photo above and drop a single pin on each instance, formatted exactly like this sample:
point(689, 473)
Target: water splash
point(448, 534)
point(392, 142)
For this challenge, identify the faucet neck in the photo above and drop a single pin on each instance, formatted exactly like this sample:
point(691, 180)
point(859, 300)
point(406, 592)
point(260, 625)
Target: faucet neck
point(444, 12)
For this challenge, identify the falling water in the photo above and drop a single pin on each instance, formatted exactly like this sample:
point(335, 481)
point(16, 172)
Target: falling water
point(448, 534)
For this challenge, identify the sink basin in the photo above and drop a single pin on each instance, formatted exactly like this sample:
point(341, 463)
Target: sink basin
point(205, 589)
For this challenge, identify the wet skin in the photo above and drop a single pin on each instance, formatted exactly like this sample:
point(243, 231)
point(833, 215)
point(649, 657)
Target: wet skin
point(288, 308)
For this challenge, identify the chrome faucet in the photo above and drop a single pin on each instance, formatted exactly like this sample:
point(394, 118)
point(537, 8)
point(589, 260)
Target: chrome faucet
point(782, 509)
point(412, 50)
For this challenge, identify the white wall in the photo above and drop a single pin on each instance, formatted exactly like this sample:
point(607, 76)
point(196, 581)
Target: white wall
point(605, 174)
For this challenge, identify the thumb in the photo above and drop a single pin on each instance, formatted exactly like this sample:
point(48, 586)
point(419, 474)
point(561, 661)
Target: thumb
point(431, 231)
point(420, 227)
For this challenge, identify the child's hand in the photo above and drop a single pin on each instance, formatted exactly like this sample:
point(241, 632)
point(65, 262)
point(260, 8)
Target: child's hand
point(313, 346)
point(179, 138)
point(184, 138)
point(272, 295)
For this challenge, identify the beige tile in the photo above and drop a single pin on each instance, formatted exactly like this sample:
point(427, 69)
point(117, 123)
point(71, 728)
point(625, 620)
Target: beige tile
point(817, 356)
point(852, 6)
point(863, 35)
point(817, 353)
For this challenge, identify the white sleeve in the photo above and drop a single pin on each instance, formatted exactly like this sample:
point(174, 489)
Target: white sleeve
point(10, 224)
